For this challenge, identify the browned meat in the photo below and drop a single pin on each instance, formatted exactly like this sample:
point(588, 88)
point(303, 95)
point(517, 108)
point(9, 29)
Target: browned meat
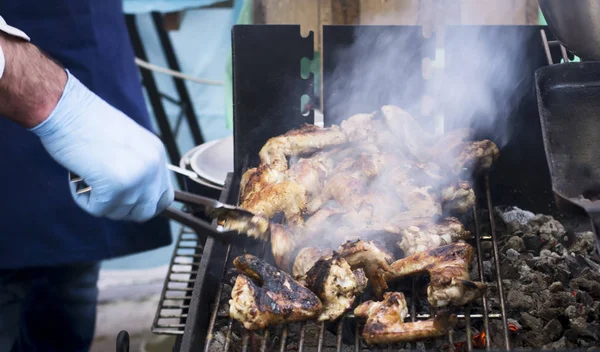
point(344, 187)
point(306, 139)
point(312, 172)
point(449, 141)
point(417, 196)
point(429, 235)
point(478, 156)
point(255, 226)
point(263, 296)
point(391, 310)
point(319, 220)
point(406, 129)
point(421, 201)
point(372, 164)
point(459, 198)
point(359, 127)
point(376, 164)
point(287, 197)
point(256, 179)
point(332, 279)
point(448, 268)
point(306, 259)
point(283, 245)
point(361, 280)
point(385, 321)
point(404, 220)
point(374, 259)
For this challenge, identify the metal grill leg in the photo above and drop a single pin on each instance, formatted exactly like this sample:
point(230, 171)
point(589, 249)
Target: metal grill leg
point(166, 133)
point(186, 101)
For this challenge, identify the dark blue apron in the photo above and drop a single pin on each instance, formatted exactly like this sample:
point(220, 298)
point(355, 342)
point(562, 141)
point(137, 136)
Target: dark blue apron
point(39, 222)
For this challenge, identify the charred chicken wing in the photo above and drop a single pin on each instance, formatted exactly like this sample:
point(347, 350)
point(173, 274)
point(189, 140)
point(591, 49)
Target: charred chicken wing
point(332, 279)
point(264, 296)
point(306, 259)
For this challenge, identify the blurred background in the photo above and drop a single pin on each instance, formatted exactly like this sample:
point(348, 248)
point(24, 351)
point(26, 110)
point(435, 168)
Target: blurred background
point(183, 50)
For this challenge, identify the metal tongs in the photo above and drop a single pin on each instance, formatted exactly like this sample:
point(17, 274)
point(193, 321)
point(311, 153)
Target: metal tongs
point(212, 208)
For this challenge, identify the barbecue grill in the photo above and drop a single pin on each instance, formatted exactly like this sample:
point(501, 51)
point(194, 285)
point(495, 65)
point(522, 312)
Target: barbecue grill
point(267, 90)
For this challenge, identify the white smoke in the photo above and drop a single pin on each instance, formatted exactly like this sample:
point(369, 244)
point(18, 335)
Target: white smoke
point(479, 85)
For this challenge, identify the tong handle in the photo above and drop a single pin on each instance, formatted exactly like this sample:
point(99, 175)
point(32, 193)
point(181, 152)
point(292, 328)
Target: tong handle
point(194, 199)
point(188, 219)
point(201, 227)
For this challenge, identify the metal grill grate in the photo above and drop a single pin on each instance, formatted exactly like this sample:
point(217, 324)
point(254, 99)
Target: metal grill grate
point(176, 294)
point(467, 314)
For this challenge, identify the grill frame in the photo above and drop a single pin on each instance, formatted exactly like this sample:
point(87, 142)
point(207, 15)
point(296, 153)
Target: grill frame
point(215, 258)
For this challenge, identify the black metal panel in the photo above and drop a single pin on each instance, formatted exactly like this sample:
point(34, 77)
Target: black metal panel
point(367, 67)
point(267, 86)
point(489, 85)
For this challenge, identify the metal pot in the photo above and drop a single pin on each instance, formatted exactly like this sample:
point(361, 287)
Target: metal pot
point(576, 24)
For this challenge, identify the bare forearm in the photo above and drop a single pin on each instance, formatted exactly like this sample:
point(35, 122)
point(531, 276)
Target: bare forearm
point(32, 83)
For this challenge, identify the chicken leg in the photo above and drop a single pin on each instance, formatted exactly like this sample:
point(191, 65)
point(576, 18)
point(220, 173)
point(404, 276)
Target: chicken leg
point(448, 268)
point(385, 321)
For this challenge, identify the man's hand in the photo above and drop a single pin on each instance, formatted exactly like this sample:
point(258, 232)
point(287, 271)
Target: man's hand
point(123, 163)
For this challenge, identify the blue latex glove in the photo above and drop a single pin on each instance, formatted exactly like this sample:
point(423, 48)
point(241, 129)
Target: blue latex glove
point(125, 164)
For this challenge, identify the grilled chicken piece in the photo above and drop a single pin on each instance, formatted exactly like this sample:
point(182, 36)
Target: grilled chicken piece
point(345, 185)
point(428, 235)
point(422, 202)
point(373, 164)
point(374, 259)
point(332, 279)
point(287, 197)
point(426, 173)
point(449, 141)
point(478, 156)
point(360, 127)
point(448, 268)
point(321, 218)
point(459, 198)
point(385, 321)
point(255, 226)
point(258, 178)
point(263, 296)
point(312, 172)
point(420, 199)
point(267, 192)
point(406, 129)
point(306, 139)
point(306, 259)
point(361, 280)
point(370, 128)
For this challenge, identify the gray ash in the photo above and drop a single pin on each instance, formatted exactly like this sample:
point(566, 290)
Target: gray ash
point(551, 279)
